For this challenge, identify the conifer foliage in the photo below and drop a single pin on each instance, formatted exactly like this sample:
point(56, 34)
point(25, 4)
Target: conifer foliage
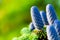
point(36, 29)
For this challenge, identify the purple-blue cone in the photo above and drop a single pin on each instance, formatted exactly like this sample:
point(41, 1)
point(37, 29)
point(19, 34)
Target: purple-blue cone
point(31, 27)
point(51, 14)
point(36, 18)
point(51, 33)
point(44, 18)
point(57, 26)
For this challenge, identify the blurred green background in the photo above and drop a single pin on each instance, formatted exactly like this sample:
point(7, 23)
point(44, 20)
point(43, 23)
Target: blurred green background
point(15, 14)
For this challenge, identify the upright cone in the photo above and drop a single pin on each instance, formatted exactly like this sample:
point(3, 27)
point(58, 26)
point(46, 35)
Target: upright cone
point(31, 26)
point(36, 18)
point(51, 15)
point(57, 27)
point(44, 18)
point(51, 33)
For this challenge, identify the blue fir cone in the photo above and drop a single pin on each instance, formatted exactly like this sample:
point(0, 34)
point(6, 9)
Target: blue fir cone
point(51, 33)
point(51, 14)
point(44, 18)
point(36, 18)
point(57, 27)
point(31, 26)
